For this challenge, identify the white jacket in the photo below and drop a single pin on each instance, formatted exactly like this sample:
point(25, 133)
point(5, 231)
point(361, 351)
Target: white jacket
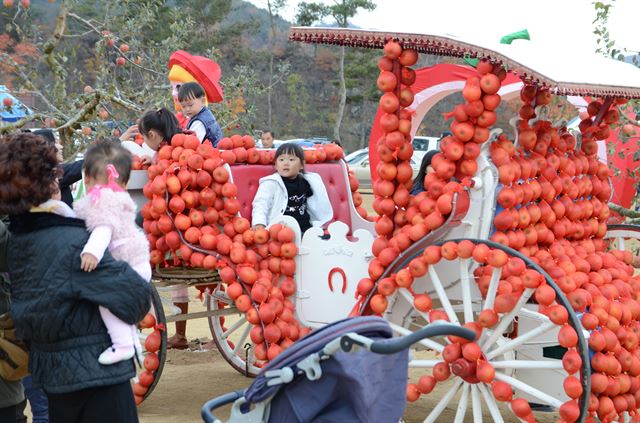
point(271, 200)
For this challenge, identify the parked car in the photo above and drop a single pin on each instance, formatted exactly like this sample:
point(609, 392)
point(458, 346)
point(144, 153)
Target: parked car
point(302, 142)
point(420, 143)
point(358, 161)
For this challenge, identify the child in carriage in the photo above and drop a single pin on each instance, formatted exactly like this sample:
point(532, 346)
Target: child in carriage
point(291, 191)
point(193, 102)
point(109, 213)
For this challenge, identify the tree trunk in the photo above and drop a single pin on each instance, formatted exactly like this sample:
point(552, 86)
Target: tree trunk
point(271, 58)
point(363, 127)
point(269, 90)
point(343, 98)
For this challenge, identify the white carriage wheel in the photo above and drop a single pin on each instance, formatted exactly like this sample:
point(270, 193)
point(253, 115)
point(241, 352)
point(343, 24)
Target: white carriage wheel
point(619, 236)
point(157, 310)
point(235, 329)
point(499, 350)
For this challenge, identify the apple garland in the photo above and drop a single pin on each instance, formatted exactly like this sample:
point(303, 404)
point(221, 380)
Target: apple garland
point(151, 361)
point(554, 210)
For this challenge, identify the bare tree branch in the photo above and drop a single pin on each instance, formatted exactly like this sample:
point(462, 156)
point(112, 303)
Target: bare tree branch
point(624, 211)
point(85, 111)
point(48, 103)
point(49, 48)
point(626, 118)
point(84, 34)
point(96, 30)
point(5, 129)
point(125, 103)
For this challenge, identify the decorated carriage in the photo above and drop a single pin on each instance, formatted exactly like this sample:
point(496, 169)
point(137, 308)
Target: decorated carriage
point(509, 238)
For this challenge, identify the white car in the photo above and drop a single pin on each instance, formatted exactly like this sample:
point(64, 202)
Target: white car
point(420, 143)
point(358, 161)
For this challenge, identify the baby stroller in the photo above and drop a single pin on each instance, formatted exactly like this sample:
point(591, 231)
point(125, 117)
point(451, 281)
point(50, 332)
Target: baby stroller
point(348, 371)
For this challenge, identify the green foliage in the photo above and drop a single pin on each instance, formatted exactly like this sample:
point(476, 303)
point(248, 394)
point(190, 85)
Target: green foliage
point(78, 43)
point(341, 11)
point(305, 79)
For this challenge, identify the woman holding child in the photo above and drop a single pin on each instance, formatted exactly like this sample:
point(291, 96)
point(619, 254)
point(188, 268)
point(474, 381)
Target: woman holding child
point(54, 301)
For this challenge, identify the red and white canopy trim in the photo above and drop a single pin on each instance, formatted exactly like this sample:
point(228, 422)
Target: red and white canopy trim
point(563, 72)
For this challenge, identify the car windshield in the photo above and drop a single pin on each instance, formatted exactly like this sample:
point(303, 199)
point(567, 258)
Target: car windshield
point(358, 157)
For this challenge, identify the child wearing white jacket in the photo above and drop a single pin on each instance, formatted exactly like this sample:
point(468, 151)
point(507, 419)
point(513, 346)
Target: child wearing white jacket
point(109, 214)
point(291, 191)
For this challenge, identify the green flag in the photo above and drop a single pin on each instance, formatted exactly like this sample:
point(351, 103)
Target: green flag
point(520, 35)
point(507, 39)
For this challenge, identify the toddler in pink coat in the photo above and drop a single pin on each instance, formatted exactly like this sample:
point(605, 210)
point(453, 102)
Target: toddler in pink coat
point(109, 213)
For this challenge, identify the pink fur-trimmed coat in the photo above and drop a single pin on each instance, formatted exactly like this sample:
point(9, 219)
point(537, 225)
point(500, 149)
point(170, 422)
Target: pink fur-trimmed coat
point(118, 211)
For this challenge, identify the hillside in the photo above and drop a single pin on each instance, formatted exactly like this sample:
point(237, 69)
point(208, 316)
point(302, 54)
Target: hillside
point(237, 34)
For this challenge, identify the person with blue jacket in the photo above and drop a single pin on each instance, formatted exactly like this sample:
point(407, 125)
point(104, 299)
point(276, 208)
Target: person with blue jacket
point(193, 102)
point(54, 303)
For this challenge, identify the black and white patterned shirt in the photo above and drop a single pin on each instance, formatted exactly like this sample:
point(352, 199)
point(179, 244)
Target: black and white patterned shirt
point(298, 190)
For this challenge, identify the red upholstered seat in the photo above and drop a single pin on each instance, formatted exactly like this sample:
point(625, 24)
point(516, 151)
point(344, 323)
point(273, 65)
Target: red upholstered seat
point(246, 178)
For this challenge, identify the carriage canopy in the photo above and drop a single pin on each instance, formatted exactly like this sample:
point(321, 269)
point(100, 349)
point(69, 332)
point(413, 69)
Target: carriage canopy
point(562, 73)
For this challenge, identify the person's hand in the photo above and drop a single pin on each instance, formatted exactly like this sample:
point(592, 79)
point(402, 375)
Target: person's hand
point(146, 160)
point(88, 262)
point(130, 133)
point(256, 227)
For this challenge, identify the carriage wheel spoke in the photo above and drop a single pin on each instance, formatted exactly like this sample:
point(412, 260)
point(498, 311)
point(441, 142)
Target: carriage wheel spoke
point(491, 404)
point(234, 327)
point(462, 404)
point(221, 296)
point(243, 337)
point(545, 398)
point(512, 344)
point(251, 358)
point(507, 319)
point(620, 243)
point(527, 364)
point(465, 280)
point(409, 299)
point(476, 404)
point(442, 295)
point(446, 399)
point(534, 314)
point(493, 287)
point(429, 343)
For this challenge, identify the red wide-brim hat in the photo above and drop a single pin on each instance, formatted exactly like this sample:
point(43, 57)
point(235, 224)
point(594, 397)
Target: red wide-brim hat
point(204, 70)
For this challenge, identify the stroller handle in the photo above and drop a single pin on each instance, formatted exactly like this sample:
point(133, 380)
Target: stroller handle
point(209, 406)
point(394, 345)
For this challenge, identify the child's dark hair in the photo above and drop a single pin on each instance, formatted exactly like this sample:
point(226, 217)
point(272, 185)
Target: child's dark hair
point(161, 120)
point(290, 148)
point(418, 182)
point(190, 90)
point(29, 171)
point(107, 151)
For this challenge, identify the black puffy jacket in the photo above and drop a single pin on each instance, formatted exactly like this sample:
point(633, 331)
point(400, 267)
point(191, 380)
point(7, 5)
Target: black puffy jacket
point(55, 303)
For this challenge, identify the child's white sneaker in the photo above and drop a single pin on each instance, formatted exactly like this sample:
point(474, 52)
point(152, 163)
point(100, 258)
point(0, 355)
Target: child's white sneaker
point(114, 355)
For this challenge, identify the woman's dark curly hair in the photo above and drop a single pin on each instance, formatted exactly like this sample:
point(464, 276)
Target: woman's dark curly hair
point(28, 172)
